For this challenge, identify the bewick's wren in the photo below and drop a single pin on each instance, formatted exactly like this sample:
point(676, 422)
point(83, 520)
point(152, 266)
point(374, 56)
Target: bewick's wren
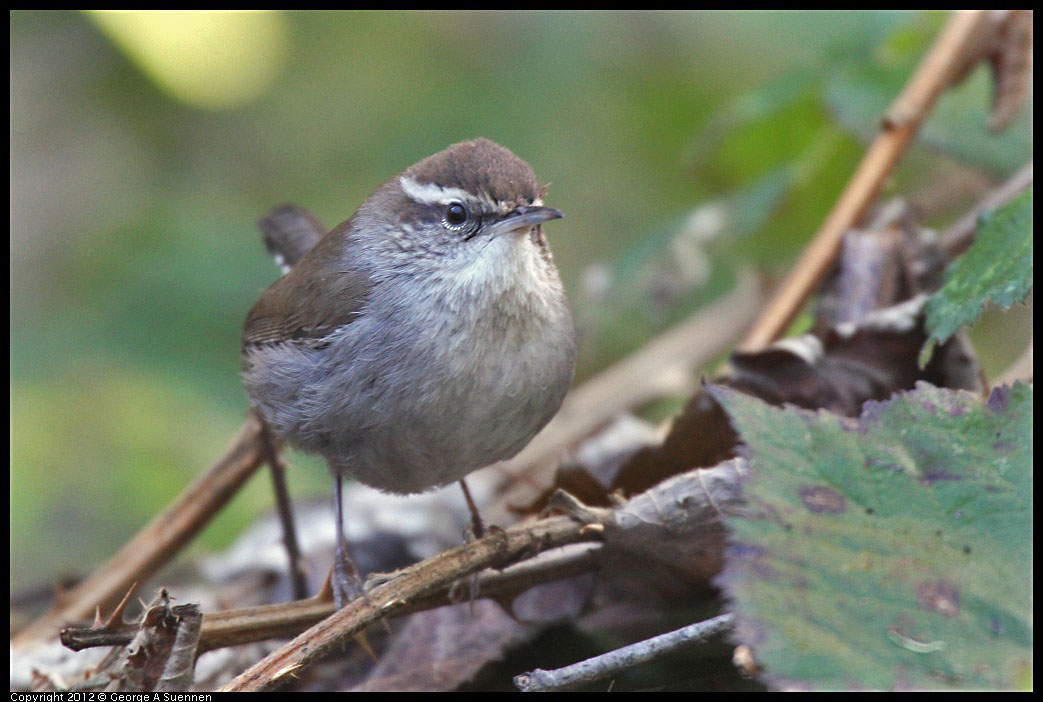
point(425, 337)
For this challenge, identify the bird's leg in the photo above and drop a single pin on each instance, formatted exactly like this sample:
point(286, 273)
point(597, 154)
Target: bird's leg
point(347, 584)
point(477, 525)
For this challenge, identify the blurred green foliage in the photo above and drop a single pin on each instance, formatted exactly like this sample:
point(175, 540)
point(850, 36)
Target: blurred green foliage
point(679, 145)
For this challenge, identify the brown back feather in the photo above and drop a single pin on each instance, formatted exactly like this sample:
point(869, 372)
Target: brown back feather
point(315, 298)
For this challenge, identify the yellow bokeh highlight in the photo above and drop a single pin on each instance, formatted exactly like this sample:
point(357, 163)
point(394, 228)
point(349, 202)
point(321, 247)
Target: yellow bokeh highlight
point(208, 59)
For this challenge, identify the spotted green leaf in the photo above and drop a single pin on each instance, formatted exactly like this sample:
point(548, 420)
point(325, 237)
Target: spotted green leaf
point(892, 551)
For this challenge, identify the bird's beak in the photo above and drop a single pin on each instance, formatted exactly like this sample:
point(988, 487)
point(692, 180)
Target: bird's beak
point(525, 218)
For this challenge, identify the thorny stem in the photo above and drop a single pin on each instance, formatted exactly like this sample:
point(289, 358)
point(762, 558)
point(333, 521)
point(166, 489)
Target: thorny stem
point(498, 549)
point(286, 619)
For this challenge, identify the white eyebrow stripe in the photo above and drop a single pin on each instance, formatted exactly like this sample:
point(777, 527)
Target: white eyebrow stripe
point(431, 194)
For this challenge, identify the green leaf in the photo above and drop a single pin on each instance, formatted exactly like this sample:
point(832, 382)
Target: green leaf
point(891, 551)
point(998, 267)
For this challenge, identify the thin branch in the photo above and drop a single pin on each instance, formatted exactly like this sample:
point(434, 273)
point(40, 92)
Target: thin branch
point(496, 550)
point(284, 507)
point(264, 622)
point(946, 57)
point(157, 542)
point(672, 517)
point(615, 662)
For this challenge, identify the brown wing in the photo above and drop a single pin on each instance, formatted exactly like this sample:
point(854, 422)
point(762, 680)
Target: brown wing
point(317, 296)
point(289, 233)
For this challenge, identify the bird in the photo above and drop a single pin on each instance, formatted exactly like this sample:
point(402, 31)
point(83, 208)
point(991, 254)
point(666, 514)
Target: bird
point(427, 336)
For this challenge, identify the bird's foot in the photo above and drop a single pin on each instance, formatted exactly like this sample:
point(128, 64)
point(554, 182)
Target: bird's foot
point(346, 582)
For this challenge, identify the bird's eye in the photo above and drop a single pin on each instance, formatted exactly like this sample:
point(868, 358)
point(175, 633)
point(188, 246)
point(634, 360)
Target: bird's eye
point(456, 214)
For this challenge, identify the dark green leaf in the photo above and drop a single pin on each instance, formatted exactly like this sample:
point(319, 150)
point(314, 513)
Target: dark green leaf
point(997, 267)
point(892, 551)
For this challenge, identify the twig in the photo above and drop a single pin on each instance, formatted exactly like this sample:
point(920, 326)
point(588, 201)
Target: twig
point(946, 57)
point(219, 629)
point(614, 662)
point(679, 518)
point(958, 237)
point(157, 542)
point(496, 550)
point(477, 525)
point(251, 624)
point(675, 516)
point(277, 469)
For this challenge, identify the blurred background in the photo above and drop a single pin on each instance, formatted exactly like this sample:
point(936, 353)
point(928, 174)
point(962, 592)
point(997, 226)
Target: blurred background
point(145, 146)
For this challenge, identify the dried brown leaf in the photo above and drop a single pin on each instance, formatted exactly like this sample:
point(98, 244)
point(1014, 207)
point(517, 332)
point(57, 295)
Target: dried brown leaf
point(181, 663)
point(1011, 61)
point(671, 537)
point(143, 660)
point(444, 648)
